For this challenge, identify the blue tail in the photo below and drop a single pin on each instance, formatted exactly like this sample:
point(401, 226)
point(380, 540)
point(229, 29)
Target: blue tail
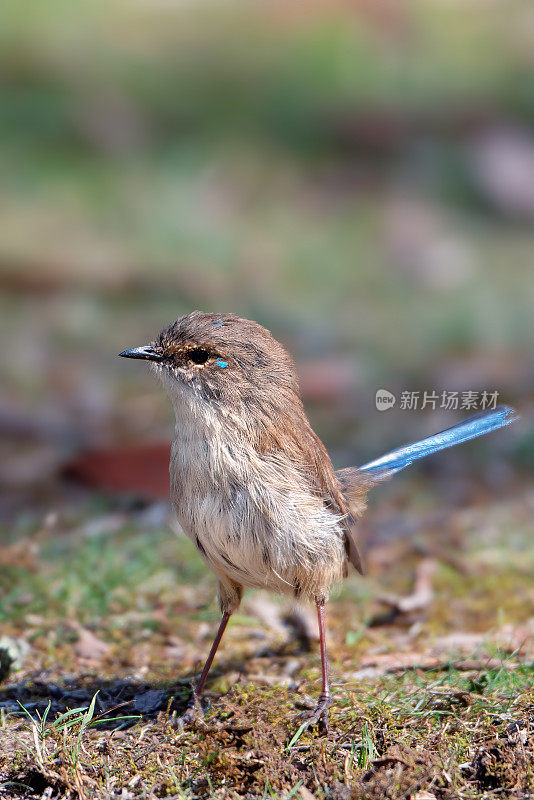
point(470, 428)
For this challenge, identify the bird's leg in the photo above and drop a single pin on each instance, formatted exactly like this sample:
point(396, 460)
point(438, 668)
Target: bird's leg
point(194, 705)
point(320, 712)
point(230, 594)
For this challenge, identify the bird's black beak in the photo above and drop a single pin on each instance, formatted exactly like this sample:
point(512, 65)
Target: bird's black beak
point(147, 353)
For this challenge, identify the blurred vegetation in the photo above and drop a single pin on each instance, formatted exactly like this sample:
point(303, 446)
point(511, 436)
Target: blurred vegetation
point(314, 167)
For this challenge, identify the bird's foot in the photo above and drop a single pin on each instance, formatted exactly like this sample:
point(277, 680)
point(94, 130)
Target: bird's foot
point(319, 715)
point(193, 713)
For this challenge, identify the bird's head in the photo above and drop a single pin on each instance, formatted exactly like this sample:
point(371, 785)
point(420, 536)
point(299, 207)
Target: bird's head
point(220, 358)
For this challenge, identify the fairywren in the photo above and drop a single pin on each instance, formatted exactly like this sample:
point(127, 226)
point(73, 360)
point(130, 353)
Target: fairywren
point(251, 483)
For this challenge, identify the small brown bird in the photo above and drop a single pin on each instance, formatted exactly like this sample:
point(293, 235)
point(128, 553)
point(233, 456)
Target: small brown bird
point(251, 483)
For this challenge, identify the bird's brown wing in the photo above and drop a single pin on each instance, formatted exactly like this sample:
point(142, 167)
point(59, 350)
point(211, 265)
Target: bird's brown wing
point(354, 486)
point(353, 552)
point(344, 491)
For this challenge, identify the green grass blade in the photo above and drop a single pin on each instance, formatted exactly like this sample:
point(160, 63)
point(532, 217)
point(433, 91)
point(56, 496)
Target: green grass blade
point(297, 735)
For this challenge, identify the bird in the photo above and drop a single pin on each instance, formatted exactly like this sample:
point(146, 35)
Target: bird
point(251, 483)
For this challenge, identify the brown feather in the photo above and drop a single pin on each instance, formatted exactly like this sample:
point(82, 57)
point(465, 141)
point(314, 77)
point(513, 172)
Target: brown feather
point(259, 387)
point(354, 486)
point(344, 491)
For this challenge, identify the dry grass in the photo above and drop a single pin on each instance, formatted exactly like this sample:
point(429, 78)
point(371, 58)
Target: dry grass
point(435, 733)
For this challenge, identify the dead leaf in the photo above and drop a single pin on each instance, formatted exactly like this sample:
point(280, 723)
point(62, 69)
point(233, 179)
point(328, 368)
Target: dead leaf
point(459, 642)
point(422, 591)
point(88, 646)
point(399, 662)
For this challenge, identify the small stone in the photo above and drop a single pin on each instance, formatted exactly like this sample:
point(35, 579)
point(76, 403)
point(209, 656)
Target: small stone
point(12, 654)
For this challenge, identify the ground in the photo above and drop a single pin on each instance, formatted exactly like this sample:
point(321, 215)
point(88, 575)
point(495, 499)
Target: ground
point(431, 665)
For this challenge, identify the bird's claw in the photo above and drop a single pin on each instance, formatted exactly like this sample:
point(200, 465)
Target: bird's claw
point(193, 713)
point(318, 716)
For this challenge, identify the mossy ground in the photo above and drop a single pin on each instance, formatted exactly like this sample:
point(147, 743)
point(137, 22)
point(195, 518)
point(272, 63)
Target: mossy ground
point(464, 728)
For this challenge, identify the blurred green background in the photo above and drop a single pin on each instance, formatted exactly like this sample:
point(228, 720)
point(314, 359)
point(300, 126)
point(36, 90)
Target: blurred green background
point(358, 177)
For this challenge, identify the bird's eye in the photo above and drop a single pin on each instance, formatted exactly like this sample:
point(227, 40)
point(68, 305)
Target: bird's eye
point(198, 355)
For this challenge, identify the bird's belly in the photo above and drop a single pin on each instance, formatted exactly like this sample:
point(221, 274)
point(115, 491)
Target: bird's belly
point(255, 548)
point(231, 540)
point(250, 524)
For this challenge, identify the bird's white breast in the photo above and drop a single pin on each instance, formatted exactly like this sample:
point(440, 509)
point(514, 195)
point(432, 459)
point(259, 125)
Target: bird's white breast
point(253, 517)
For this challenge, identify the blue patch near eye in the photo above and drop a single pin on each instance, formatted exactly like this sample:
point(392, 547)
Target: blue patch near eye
point(222, 364)
point(218, 323)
